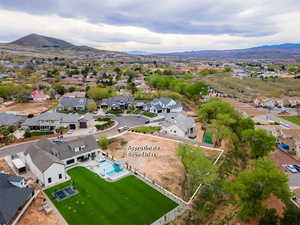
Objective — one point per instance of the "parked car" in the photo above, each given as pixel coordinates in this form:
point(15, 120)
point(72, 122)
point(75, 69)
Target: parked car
point(297, 167)
point(291, 168)
point(121, 129)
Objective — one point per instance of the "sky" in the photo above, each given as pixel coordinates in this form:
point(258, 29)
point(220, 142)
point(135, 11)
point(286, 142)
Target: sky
point(154, 25)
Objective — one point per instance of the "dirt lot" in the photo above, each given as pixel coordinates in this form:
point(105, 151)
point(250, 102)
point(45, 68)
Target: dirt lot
point(29, 108)
point(163, 165)
point(34, 216)
point(5, 167)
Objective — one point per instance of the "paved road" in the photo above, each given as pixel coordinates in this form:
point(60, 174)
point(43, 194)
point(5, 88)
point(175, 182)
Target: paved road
point(128, 120)
point(276, 118)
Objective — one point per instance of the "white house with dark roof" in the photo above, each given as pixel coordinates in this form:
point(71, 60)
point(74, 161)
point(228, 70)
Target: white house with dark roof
point(117, 102)
point(179, 124)
point(48, 160)
point(163, 105)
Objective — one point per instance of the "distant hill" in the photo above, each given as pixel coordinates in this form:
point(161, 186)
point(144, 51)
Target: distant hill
point(280, 46)
point(281, 51)
point(40, 41)
point(138, 53)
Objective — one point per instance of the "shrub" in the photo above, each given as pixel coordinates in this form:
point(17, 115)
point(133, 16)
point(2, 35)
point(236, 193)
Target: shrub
point(103, 142)
point(149, 114)
point(123, 142)
point(106, 125)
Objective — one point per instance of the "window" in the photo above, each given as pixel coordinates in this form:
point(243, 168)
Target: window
point(70, 161)
point(60, 176)
point(49, 180)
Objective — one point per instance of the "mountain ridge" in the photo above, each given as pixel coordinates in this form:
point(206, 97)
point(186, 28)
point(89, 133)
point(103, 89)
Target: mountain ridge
point(279, 51)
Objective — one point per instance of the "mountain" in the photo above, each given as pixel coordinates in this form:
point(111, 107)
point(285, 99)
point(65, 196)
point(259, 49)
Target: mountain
point(40, 41)
point(280, 46)
point(281, 51)
point(139, 53)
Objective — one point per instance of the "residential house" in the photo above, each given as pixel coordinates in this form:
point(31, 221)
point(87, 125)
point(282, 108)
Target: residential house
point(117, 102)
point(179, 124)
point(72, 104)
point(48, 160)
point(163, 105)
point(289, 139)
point(13, 196)
point(50, 121)
point(38, 96)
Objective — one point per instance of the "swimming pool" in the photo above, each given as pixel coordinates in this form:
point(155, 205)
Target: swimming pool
point(109, 169)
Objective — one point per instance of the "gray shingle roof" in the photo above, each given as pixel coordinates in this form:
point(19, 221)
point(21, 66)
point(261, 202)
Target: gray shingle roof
point(115, 100)
point(7, 119)
point(68, 102)
point(180, 120)
point(56, 116)
point(42, 159)
point(162, 100)
point(44, 152)
point(11, 198)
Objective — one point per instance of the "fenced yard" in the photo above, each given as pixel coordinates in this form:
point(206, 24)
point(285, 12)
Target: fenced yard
point(127, 201)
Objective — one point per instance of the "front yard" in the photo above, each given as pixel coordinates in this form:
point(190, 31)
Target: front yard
point(127, 201)
point(293, 119)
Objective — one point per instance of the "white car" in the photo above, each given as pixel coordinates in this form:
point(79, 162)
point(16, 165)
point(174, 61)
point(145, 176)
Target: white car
point(291, 168)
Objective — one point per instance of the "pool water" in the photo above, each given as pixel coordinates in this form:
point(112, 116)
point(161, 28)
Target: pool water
point(109, 168)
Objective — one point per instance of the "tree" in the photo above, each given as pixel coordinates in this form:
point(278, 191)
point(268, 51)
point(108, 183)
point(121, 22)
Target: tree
point(253, 186)
point(259, 141)
point(269, 218)
point(59, 89)
point(227, 69)
point(291, 216)
point(103, 142)
point(221, 128)
point(99, 93)
point(200, 170)
point(91, 106)
point(215, 106)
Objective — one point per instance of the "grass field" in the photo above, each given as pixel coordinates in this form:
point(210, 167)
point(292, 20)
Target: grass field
point(127, 201)
point(293, 119)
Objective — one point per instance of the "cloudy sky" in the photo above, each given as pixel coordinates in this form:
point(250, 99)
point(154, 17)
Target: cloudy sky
point(154, 25)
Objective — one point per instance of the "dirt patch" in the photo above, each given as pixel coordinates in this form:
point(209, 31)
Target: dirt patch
point(29, 108)
point(163, 165)
point(5, 167)
point(158, 161)
point(34, 216)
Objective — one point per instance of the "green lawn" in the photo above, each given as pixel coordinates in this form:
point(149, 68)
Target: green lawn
point(127, 201)
point(293, 119)
point(149, 114)
point(146, 129)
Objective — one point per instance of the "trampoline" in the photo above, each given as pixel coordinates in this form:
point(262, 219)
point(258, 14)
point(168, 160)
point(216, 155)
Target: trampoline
point(64, 193)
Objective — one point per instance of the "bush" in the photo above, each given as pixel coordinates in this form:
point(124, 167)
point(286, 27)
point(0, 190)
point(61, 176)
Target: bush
point(149, 114)
point(106, 125)
point(103, 142)
point(27, 134)
point(123, 142)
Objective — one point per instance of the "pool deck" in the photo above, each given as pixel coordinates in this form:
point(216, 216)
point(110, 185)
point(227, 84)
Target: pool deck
point(92, 165)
